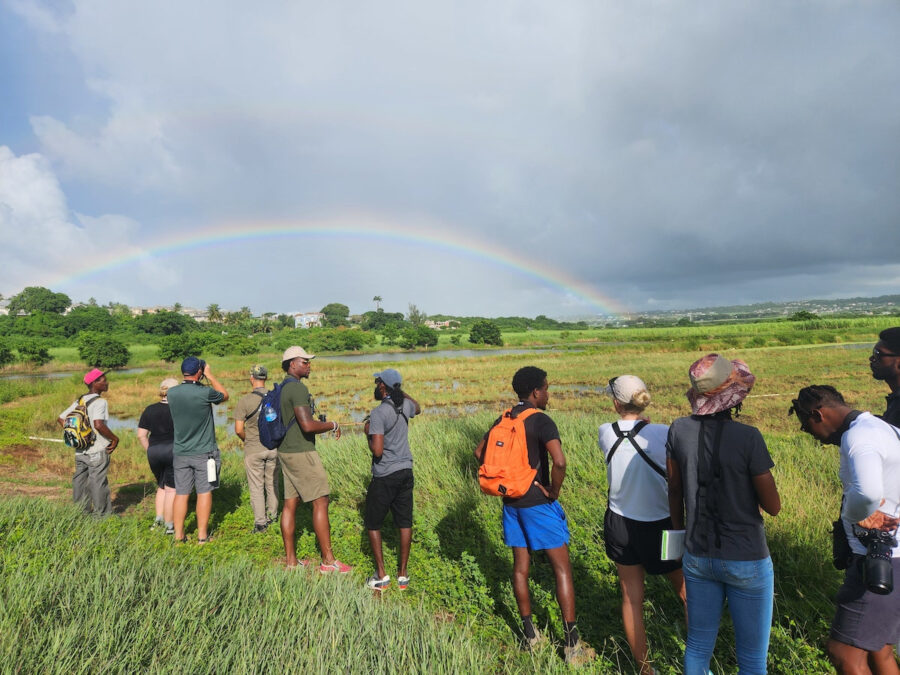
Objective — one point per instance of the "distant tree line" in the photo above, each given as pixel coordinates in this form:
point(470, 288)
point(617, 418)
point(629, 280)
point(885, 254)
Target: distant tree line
point(37, 322)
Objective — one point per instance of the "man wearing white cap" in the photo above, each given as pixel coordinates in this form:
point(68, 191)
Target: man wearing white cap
point(301, 468)
point(90, 484)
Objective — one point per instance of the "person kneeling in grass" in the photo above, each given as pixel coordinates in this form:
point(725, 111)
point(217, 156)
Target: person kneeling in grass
point(392, 475)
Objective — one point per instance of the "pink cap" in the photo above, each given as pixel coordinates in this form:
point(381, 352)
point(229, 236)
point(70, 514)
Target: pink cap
point(93, 375)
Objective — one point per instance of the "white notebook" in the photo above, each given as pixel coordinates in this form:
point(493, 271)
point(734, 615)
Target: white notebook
point(672, 545)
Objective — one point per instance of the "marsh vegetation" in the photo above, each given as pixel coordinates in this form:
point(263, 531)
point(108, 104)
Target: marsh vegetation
point(79, 594)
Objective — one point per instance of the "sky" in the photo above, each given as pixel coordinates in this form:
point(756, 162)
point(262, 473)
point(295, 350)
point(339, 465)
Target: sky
point(472, 158)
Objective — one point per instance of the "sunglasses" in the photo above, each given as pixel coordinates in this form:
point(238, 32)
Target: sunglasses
point(879, 354)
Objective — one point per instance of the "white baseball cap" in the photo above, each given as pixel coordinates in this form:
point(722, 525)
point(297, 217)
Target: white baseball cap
point(624, 387)
point(292, 353)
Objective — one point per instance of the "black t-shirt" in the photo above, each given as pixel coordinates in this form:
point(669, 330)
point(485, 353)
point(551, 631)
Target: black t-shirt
point(157, 419)
point(721, 505)
point(892, 412)
point(539, 430)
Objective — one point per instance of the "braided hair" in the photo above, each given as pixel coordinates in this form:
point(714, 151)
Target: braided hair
point(814, 397)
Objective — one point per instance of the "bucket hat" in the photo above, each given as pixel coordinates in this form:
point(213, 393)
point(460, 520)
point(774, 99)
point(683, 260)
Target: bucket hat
point(718, 384)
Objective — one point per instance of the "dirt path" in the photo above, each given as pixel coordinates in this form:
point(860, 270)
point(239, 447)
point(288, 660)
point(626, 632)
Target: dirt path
point(27, 472)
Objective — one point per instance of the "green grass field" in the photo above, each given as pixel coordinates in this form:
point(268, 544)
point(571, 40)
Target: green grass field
point(85, 595)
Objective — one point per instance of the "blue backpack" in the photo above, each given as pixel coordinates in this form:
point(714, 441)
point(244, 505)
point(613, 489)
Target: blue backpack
point(272, 428)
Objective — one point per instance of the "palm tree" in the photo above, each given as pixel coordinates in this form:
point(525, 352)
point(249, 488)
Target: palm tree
point(377, 300)
point(214, 313)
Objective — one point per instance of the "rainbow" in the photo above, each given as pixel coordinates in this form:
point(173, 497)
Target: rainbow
point(430, 235)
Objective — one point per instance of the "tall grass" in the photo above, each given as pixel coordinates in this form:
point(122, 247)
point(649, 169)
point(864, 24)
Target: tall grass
point(461, 570)
point(80, 595)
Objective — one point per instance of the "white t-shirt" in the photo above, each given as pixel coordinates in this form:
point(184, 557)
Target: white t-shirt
point(870, 472)
point(97, 410)
point(636, 491)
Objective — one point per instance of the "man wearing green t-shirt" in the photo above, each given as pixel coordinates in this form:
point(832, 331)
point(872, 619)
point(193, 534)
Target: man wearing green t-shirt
point(195, 443)
point(301, 469)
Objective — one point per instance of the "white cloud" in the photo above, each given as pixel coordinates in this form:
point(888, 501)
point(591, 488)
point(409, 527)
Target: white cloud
point(44, 243)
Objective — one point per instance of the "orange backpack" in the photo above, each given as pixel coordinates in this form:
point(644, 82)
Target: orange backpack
point(505, 471)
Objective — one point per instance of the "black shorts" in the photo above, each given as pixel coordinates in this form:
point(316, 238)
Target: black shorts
point(393, 493)
point(160, 458)
point(636, 542)
point(863, 619)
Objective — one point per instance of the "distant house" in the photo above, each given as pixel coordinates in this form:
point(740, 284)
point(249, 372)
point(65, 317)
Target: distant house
point(308, 319)
point(437, 325)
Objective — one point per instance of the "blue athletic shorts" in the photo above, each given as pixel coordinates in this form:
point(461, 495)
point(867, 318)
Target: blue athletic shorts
point(538, 527)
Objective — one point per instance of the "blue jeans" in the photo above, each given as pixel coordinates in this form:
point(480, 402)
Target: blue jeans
point(749, 587)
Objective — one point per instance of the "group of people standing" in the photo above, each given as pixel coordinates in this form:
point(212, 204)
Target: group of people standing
point(709, 476)
point(706, 477)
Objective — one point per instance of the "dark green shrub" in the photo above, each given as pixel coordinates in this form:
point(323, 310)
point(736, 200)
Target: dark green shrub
point(232, 344)
point(102, 351)
point(173, 348)
point(485, 333)
point(6, 355)
point(33, 352)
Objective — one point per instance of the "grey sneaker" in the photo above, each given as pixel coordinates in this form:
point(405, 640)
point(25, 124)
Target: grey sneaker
point(580, 654)
point(377, 584)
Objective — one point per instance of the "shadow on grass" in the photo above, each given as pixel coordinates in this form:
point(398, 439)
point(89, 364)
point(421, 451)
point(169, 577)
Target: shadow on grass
point(131, 495)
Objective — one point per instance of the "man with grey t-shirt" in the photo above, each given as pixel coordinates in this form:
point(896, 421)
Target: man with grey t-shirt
point(392, 483)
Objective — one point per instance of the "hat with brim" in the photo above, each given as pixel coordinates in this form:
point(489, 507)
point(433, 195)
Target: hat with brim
point(93, 375)
point(295, 352)
point(390, 377)
point(718, 384)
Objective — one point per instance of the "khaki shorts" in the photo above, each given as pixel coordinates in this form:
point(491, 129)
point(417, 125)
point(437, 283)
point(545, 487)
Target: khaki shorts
point(304, 476)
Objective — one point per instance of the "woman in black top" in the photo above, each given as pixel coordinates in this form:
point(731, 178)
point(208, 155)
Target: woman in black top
point(719, 478)
point(156, 432)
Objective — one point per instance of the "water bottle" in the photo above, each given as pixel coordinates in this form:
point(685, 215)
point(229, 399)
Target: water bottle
point(270, 413)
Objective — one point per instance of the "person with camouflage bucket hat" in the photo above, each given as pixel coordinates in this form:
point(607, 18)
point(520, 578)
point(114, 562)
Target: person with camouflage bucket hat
point(260, 462)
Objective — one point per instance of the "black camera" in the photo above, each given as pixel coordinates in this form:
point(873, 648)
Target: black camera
point(323, 418)
point(878, 573)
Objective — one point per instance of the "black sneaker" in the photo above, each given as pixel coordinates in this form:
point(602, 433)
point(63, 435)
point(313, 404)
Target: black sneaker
point(260, 528)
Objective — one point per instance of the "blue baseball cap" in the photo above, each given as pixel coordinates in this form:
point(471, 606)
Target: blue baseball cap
point(190, 365)
point(390, 377)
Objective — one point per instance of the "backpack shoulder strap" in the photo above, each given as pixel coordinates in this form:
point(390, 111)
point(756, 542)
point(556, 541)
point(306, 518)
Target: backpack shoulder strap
point(257, 408)
point(630, 435)
point(86, 405)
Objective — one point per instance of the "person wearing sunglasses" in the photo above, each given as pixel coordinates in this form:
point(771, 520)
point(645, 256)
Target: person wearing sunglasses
point(866, 622)
point(885, 365)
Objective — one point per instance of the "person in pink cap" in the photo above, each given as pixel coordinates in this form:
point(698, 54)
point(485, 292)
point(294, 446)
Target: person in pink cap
point(90, 485)
point(719, 478)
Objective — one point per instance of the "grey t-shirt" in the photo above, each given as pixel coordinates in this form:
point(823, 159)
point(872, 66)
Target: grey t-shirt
point(721, 505)
point(387, 421)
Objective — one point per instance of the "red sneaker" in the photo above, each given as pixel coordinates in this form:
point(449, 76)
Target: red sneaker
point(336, 566)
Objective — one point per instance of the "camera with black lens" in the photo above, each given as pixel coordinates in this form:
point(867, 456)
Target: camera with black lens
point(878, 574)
